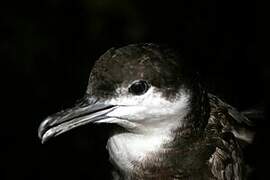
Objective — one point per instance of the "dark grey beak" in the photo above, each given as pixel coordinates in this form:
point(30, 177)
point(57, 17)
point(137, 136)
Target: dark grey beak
point(86, 111)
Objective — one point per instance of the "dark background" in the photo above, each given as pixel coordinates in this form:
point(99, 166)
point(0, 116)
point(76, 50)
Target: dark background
point(49, 46)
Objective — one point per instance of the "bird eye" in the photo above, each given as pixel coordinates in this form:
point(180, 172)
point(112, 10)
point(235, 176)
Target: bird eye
point(138, 87)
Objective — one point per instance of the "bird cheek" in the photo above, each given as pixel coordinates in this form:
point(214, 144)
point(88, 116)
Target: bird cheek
point(128, 112)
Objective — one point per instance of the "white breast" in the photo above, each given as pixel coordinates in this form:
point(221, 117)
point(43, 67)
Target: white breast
point(126, 148)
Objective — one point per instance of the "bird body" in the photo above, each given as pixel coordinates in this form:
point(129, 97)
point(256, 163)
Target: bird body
point(171, 128)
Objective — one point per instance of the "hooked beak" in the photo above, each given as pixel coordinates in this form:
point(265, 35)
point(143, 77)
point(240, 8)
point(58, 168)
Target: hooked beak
point(86, 111)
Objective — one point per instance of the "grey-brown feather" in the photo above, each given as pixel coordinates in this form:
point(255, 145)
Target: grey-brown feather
point(226, 124)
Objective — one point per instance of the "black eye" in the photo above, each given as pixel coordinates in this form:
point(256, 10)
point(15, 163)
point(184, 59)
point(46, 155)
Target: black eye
point(139, 87)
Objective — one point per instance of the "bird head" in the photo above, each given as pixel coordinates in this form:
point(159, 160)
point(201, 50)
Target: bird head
point(142, 88)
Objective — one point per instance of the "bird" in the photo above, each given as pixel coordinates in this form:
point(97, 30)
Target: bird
point(167, 125)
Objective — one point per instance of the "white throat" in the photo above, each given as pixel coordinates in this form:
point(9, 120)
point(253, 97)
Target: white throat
point(127, 148)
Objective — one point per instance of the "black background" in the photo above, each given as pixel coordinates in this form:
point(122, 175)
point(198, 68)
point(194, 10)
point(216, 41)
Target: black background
point(49, 46)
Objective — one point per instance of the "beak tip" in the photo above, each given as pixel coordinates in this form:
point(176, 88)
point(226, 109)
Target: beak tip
point(46, 135)
point(43, 127)
point(43, 141)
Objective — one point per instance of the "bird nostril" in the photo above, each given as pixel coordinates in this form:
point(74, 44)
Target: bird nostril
point(86, 101)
